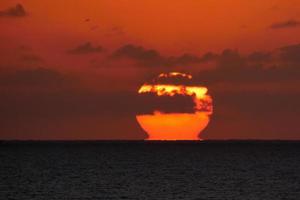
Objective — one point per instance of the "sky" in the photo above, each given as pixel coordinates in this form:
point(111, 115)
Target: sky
point(71, 70)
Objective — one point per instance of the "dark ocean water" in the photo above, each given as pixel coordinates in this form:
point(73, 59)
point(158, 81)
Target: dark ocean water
point(150, 170)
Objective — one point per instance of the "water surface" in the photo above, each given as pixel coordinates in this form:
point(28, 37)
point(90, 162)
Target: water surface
point(150, 170)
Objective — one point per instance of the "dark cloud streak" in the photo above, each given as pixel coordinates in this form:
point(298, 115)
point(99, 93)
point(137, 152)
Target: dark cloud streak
point(286, 24)
point(152, 58)
point(39, 77)
point(85, 49)
point(17, 11)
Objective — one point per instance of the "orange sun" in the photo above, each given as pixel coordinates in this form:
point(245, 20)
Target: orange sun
point(177, 123)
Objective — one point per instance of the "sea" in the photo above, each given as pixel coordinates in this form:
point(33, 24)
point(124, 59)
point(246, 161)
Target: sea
point(106, 170)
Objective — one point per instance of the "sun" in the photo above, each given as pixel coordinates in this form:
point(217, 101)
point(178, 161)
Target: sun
point(179, 110)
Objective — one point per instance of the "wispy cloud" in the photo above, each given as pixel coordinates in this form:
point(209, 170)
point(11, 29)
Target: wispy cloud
point(86, 48)
point(292, 23)
point(16, 11)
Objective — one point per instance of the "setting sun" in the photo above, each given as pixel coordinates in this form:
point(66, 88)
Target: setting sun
point(174, 125)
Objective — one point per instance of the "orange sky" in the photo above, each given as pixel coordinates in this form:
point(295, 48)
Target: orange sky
point(83, 45)
point(170, 26)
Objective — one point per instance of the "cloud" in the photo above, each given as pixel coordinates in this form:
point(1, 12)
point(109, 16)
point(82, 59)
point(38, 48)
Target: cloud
point(279, 66)
point(31, 58)
point(229, 66)
point(290, 53)
point(116, 31)
point(69, 113)
point(39, 77)
point(150, 102)
point(230, 59)
point(44, 101)
point(259, 57)
point(17, 11)
point(248, 75)
point(188, 59)
point(48, 92)
point(254, 115)
point(286, 24)
point(152, 58)
point(147, 57)
point(85, 49)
